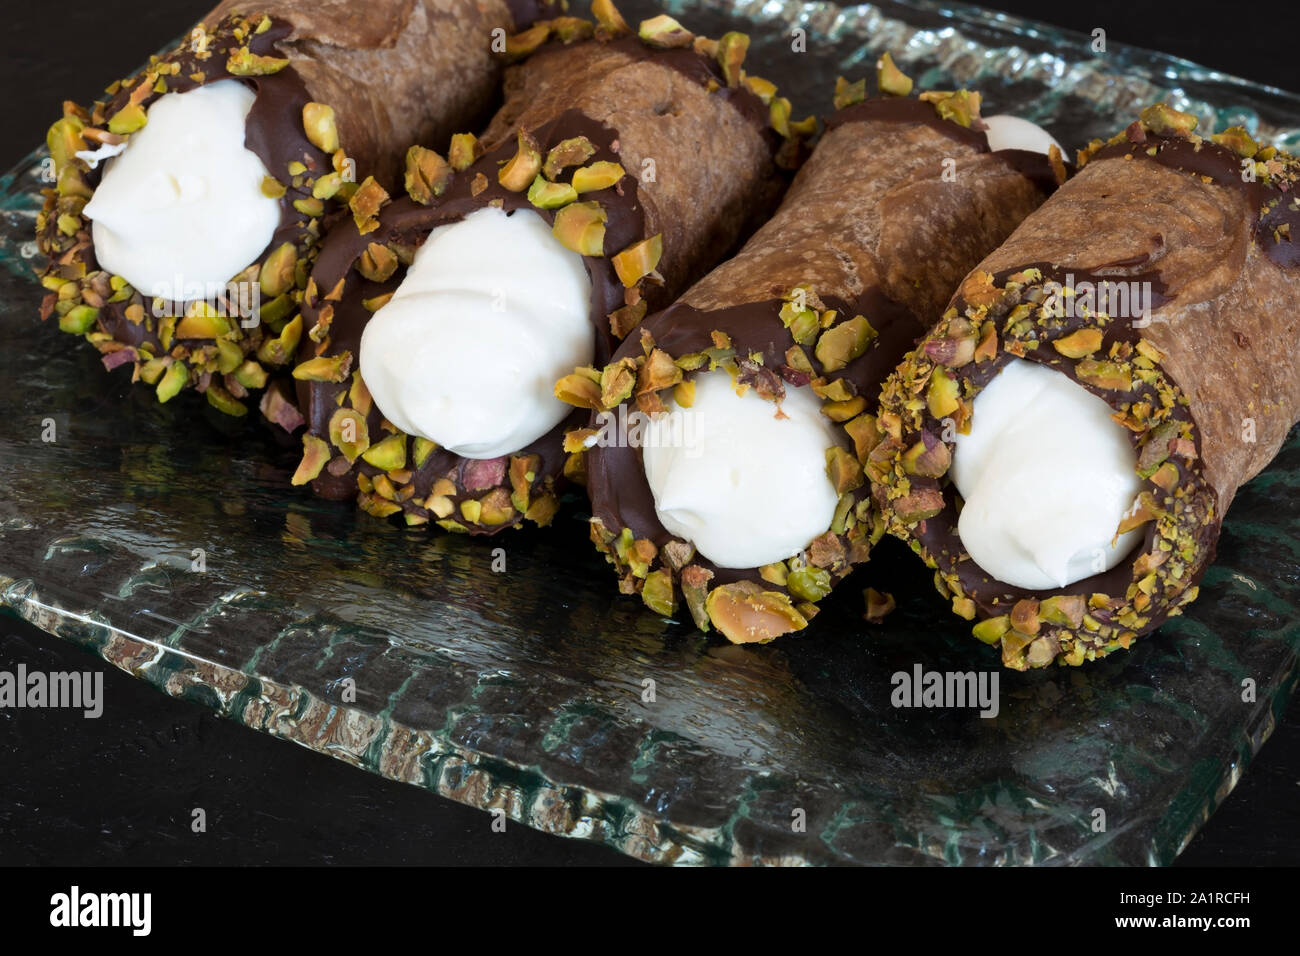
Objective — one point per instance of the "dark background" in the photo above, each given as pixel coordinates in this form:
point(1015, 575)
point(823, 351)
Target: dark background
point(119, 790)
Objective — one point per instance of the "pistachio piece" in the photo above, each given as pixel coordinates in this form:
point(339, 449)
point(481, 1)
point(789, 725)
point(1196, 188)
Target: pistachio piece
point(1079, 344)
point(389, 454)
point(349, 433)
point(624, 320)
point(778, 112)
point(929, 457)
point(320, 126)
point(580, 226)
point(1108, 375)
point(841, 344)
point(991, 630)
point(64, 141)
point(571, 29)
point(695, 590)
point(203, 322)
point(843, 469)
point(79, 319)
point(599, 175)
point(315, 456)
point(229, 357)
point(617, 381)
point(522, 44)
point(658, 593)
point(639, 260)
point(878, 603)
point(566, 153)
point(746, 614)
point(250, 375)
point(543, 510)
point(312, 208)
point(421, 449)
point(243, 62)
point(1166, 477)
point(954, 350)
point(579, 390)
point(1238, 140)
point(763, 89)
point(522, 168)
point(849, 94)
point(664, 31)
point(377, 263)
point(1164, 119)
point(1145, 510)
point(809, 583)
point(495, 508)
point(281, 350)
point(427, 174)
point(608, 17)
point(1024, 616)
point(1013, 650)
point(333, 368)
point(732, 48)
point(463, 151)
point(864, 433)
point(962, 107)
point(277, 273)
point(918, 505)
point(1062, 610)
point(127, 120)
point(890, 80)
point(365, 204)
point(548, 195)
point(942, 393)
point(523, 472)
point(174, 379)
point(224, 402)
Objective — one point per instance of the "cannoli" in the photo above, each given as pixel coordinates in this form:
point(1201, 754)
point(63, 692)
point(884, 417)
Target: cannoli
point(437, 324)
point(1063, 445)
point(723, 452)
point(189, 201)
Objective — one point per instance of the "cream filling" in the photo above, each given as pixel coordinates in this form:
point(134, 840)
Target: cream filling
point(181, 204)
point(1046, 475)
point(492, 312)
point(745, 486)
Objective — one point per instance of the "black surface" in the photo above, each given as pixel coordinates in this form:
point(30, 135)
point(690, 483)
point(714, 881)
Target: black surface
point(120, 789)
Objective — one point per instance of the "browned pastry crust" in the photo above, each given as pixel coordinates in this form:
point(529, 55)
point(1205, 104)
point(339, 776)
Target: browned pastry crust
point(340, 88)
point(668, 124)
point(397, 72)
point(829, 294)
point(1208, 383)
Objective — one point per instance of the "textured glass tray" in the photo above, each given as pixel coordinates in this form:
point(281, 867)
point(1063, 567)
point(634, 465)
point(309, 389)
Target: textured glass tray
point(523, 689)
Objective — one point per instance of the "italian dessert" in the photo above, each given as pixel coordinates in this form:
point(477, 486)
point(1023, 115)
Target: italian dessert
point(436, 325)
point(189, 202)
point(725, 447)
point(1064, 444)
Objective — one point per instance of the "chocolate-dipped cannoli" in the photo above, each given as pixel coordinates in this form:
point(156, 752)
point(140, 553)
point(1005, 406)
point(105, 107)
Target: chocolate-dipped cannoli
point(1063, 445)
point(189, 201)
point(724, 452)
point(438, 324)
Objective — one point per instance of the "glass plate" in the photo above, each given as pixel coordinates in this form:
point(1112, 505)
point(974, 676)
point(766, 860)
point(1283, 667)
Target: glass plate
point(525, 686)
